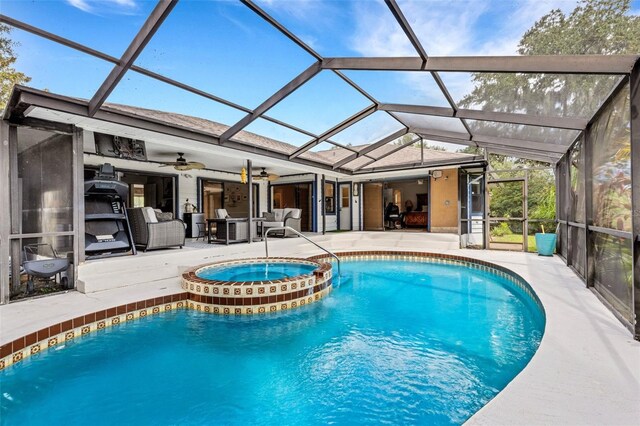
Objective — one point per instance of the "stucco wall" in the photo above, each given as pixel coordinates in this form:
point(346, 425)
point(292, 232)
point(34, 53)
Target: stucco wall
point(444, 202)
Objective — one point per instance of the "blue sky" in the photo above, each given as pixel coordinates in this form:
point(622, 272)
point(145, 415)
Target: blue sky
point(224, 48)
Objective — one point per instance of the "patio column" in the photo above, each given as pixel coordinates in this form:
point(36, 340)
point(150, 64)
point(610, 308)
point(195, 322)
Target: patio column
point(588, 202)
point(324, 207)
point(250, 198)
point(4, 212)
point(634, 84)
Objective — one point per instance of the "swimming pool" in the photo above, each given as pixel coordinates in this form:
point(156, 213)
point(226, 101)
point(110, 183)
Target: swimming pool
point(397, 341)
point(259, 271)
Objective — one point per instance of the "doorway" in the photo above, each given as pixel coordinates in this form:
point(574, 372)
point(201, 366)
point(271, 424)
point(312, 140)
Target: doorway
point(344, 207)
point(297, 196)
point(507, 214)
point(232, 196)
point(373, 216)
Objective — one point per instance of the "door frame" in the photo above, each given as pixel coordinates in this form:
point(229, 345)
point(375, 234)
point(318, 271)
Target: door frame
point(364, 200)
point(349, 184)
point(525, 214)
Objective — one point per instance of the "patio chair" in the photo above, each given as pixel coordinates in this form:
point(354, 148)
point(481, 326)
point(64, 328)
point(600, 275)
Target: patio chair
point(282, 217)
point(149, 233)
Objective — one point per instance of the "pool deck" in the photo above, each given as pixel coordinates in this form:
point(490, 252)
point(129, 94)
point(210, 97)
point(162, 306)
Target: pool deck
point(586, 371)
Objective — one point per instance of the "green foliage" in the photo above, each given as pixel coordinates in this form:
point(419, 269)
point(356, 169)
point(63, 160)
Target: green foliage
point(594, 27)
point(409, 137)
point(506, 199)
point(542, 198)
point(501, 230)
point(434, 147)
point(475, 150)
point(8, 75)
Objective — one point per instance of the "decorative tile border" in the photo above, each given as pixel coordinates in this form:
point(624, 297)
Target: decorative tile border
point(263, 306)
point(255, 297)
point(31, 344)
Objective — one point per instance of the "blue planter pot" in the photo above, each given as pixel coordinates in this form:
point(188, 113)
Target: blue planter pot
point(546, 244)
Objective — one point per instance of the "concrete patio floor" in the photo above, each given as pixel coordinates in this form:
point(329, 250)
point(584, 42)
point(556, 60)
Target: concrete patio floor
point(586, 371)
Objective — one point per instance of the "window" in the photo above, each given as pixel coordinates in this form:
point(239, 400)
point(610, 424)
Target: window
point(330, 198)
point(138, 195)
point(344, 194)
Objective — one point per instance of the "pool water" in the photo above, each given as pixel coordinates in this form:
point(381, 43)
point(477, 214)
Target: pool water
point(395, 342)
point(262, 271)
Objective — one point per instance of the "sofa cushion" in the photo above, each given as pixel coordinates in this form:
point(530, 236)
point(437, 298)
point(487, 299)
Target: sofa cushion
point(149, 215)
point(269, 216)
point(278, 214)
point(222, 214)
point(163, 216)
point(272, 224)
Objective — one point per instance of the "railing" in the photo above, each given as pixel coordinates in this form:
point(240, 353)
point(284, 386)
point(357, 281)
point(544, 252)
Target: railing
point(288, 228)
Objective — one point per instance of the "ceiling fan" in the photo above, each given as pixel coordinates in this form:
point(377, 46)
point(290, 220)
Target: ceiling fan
point(265, 176)
point(183, 165)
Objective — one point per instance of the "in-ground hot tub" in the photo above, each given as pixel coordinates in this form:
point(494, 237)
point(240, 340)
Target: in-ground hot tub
point(255, 286)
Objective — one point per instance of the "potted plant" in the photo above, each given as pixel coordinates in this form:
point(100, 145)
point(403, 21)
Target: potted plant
point(545, 243)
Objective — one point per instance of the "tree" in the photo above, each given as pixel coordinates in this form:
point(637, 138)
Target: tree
point(599, 27)
point(9, 76)
point(594, 27)
point(475, 150)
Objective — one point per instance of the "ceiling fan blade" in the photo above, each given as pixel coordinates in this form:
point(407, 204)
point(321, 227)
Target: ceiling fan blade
point(195, 165)
point(271, 178)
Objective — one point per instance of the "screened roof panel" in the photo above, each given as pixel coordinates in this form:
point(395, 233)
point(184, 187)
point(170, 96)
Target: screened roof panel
point(412, 155)
point(275, 131)
point(428, 122)
point(430, 145)
point(225, 49)
point(555, 95)
point(140, 91)
point(342, 28)
point(384, 149)
point(358, 163)
point(368, 130)
point(523, 132)
point(320, 104)
point(400, 87)
point(326, 153)
point(105, 26)
point(57, 68)
point(460, 28)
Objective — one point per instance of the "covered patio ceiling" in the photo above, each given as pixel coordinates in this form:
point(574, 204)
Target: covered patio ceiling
point(383, 118)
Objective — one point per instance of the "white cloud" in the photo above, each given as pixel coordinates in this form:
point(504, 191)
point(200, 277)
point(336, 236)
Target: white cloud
point(449, 28)
point(376, 32)
point(104, 6)
point(80, 4)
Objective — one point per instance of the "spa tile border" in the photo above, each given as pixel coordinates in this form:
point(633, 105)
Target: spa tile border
point(439, 258)
point(256, 297)
point(202, 304)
